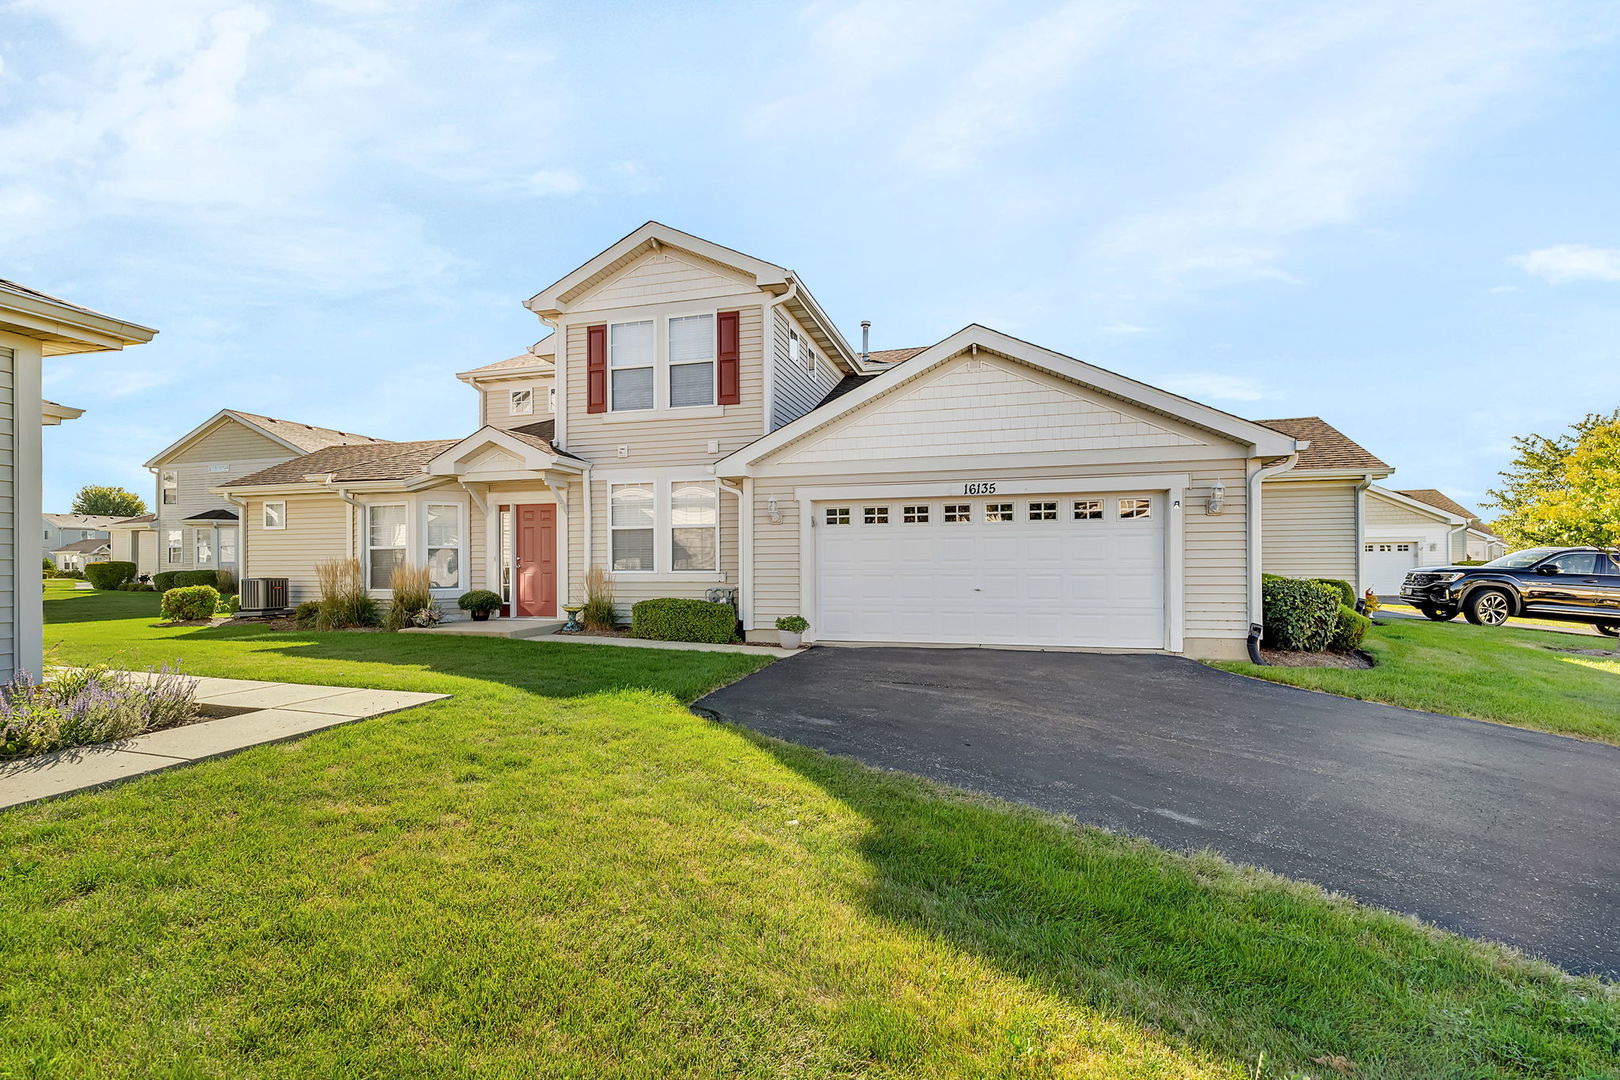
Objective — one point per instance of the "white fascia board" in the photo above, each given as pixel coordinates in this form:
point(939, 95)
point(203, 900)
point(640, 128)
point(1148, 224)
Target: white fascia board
point(203, 429)
point(68, 329)
point(1262, 441)
point(1414, 504)
point(533, 458)
point(813, 308)
point(547, 302)
point(1356, 475)
point(53, 413)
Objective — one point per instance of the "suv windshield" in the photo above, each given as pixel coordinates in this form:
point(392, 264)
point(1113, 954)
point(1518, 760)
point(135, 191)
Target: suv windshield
point(1521, 559)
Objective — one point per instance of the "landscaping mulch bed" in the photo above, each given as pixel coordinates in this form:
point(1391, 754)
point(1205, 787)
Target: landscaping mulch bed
point(1349, 660)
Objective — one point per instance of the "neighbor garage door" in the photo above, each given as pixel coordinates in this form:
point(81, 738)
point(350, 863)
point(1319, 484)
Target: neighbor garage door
point(1083, 570)
point(1387, 562)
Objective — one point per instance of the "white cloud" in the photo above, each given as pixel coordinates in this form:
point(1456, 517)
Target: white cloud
point(1564, 263)
point(1217, 386)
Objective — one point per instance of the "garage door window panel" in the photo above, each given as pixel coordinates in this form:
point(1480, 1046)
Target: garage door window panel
point(1088, 509)
point(1043, 511)
point(1001, 512)
point(914, 515)
point(875, 515)
point(958, 513)
point(1134, 509)
point(838, 515)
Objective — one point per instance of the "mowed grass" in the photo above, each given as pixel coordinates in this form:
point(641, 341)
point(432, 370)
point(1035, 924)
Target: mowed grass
point(1526, 678)
point(561, 872)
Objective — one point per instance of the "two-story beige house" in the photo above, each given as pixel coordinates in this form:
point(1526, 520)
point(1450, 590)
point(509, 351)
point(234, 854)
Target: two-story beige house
point(696, 422)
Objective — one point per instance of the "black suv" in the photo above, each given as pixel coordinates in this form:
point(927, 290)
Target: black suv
point(1577, 584)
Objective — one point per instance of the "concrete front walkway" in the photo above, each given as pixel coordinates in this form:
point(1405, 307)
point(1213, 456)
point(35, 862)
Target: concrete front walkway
point(271, 712)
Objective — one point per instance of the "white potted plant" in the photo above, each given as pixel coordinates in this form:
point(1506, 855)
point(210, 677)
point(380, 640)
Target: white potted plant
point(790, 630)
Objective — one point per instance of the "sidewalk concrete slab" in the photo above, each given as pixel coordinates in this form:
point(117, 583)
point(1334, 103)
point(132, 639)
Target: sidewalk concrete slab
point(770, 651)
point(277, 711)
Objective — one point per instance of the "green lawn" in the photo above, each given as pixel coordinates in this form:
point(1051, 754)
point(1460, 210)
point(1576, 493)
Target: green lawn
point(562, 872)
point(1505, 675)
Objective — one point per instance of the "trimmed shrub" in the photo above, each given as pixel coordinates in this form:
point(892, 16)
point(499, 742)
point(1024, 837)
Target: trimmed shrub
point(1350, 630)
point(136, 586)
point(50, 564)
point(1347, 593)
point(307, 616)
point(1300, 616)
point(109, 575)
point(164, 581)
point(186, 578)
point(190, 602)
point(599, 612)
point(675, 619)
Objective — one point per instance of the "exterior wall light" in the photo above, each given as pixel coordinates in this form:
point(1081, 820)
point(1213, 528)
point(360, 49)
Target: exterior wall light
point(1217, 498)
point(772, 511)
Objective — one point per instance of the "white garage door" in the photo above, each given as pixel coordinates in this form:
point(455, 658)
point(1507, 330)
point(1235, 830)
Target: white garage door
point(1029, 570)
point(1386, 563)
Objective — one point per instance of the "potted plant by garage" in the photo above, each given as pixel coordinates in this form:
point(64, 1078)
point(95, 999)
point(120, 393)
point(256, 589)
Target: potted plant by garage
point(790, 629)
point(479, 602)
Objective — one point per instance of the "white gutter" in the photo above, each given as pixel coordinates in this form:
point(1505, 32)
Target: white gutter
point(1361, 529)
point(769, 337)
point(1256, 478)
point(745, 550)
point(343, 493)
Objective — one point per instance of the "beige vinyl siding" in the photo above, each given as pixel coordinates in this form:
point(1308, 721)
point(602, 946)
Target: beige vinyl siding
point(1215, 565)
point(498, 401)
point(665, 437)
point(10, 652)
point(631, 587)
point(1388, 520)
point(796, 391)
point(232, 440)
point(1308, 529)
point(658, 277)
point(228, 451)
point(317, 530)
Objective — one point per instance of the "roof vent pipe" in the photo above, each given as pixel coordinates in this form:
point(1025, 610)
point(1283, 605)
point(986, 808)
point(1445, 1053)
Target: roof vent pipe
point(866, 341)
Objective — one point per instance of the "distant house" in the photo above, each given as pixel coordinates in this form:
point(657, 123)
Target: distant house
point(77, 555)
point(63, 529)
point(1481, 543)
point(34, 327)
point(134, 540)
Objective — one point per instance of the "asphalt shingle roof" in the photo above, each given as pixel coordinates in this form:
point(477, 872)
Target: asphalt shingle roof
point(365, 461)
point(307, 437)
point(1330, 448)
point(84, 545)
point(1441, 501)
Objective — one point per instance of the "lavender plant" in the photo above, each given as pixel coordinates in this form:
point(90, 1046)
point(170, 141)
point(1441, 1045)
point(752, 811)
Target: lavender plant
point(85, 706)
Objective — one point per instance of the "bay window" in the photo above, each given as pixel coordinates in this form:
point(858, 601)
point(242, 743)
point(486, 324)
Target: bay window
point(631, 521)
point(385, 542)
point(443, 536)
point(694, 520)
point(691, 360)
point(227, 545)
point(631, 359)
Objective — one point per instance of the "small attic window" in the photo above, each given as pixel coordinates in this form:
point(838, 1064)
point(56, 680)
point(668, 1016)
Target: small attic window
point(551, 399)
point(522, 402)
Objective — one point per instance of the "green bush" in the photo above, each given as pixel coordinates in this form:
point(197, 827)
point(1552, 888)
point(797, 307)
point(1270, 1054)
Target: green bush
point(186, 578)
point(479, 600)
point(229, 604)
point(1347, 593)
point(137, 586)
point(1300, 616)
point(165, 581)
point(307, 616)
point(190, 602)
point(50, 564)
point(793, 624)
point(1350, 630)
point(675, 619)
point(109, 575)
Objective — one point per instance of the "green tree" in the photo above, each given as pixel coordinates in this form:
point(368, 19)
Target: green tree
point(1563, 490)
point(108, 501)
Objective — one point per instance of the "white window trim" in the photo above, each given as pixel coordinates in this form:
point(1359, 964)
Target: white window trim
point(168, 481)
point(174, 551)
point(463, 522)
point(661, 482)
point(660, 318)
point(705, 482)
point(199, 537)
point(264, 515)
point(219, 545)
point(367, 547)
point(512, 399)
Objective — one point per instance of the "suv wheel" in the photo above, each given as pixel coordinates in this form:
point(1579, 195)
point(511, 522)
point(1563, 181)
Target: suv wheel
point(1438, 614)
point(1488, 607)
point(1610, 628)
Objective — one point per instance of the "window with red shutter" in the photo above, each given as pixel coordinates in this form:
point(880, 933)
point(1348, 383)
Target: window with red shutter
point(596, 368)
point(728, 357)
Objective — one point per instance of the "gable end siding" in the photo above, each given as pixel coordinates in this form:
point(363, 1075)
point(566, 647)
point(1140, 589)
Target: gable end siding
point(796, 391)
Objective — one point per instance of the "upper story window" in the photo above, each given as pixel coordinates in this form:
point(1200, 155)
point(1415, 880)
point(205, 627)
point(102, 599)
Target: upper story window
point(171, 487)
point(691, 360)
point(521, 402)
point(551, 399)
point(631, 360)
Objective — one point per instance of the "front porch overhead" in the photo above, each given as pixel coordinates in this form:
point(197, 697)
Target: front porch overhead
point(494, 455)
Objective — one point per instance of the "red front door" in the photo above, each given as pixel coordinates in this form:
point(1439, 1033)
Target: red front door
point(537, 560)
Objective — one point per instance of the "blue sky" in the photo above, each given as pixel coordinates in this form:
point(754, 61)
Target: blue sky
point(1402, 217)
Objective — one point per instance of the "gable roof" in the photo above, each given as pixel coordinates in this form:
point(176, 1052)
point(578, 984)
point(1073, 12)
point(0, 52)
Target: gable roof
point(297, 437)
point(893, 356)
point(133, 522)
point(359, 462)
point(521, 441)
point(81, 521)
point(847, 397)
point(1403, 500)
point(1440, 499)
point(541, 358)
point(1330, 448)
point(85, 546)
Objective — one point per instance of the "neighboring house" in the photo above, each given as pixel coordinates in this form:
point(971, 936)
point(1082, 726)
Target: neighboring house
point(1404, 531)
point(135, 540)
point(63, 529)
point(1314, 514)
point(77, 554)
point(194, 528)
point(34, 326)
point(697, 423)
point(1481, 543)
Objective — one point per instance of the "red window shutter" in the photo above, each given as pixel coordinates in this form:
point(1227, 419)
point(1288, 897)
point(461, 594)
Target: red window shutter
point(728, 353)
point(596, 368)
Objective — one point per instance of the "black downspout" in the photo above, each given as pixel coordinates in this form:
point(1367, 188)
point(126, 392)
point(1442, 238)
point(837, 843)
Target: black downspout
point(1255, 630)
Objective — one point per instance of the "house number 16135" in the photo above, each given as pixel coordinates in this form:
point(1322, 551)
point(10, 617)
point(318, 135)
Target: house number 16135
point(982, 487)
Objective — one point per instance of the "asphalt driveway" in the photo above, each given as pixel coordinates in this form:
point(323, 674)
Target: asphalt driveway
point(1487, 830)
